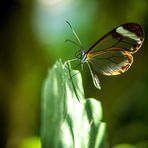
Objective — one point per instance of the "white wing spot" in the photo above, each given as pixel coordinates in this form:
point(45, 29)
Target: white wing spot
point(124, 32)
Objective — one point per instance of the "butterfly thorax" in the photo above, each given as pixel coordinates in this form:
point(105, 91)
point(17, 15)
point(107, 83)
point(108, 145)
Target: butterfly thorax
point(82, 55)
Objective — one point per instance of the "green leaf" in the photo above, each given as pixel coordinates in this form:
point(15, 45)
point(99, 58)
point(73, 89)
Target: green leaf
point(68, 119)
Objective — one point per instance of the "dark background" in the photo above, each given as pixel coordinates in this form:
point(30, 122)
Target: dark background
point(32, 35)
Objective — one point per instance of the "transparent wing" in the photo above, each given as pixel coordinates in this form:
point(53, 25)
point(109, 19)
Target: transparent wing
point(112, 61)
point(128, 36)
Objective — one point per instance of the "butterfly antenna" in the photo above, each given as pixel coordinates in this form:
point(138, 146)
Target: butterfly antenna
point(71, 41)
point(74, 33)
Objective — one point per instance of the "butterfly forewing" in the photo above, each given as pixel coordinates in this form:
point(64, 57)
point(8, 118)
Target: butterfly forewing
point(112, 61)
point(128, 36)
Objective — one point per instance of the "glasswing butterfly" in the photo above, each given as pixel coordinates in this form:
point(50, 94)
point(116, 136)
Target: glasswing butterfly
point(112, 53)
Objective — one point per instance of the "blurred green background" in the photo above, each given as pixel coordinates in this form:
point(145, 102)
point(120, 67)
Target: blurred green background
point(32, 35)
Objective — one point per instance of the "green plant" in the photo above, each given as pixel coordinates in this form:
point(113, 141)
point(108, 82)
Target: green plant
point(68, 119)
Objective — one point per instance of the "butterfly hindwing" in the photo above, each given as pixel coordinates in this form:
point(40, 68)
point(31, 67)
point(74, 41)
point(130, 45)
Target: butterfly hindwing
point(112, 61)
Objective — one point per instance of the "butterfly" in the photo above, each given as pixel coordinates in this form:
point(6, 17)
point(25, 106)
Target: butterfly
point(113, 53)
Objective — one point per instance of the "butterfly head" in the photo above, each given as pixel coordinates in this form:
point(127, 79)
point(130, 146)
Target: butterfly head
point(81, 55)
